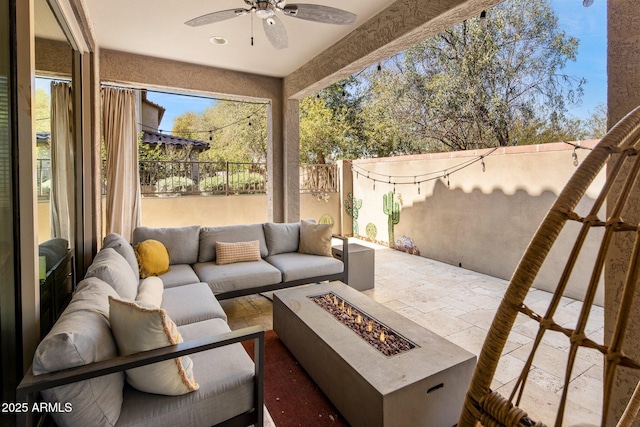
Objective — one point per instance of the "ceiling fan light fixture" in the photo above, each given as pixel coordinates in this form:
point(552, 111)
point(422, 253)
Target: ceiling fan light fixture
point(218, 40)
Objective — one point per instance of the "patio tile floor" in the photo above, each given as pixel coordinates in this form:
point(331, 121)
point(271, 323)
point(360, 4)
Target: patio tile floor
point(459, 305)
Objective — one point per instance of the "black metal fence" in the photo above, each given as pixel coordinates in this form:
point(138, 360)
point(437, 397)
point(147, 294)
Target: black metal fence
point(161, 178)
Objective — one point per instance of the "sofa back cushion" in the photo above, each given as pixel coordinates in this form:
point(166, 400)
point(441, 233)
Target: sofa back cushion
point(182, 242)
point(230, 234)
point(81, 336)
point(281, 238)
point(109, 266)
point(123, 247)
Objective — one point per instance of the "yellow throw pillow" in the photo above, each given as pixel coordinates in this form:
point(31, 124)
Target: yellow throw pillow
point(229, 253)
point(138, 327)
point(315, 239)
point(153, 258)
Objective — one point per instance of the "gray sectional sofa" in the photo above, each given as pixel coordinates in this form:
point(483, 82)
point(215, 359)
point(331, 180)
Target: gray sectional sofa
point(77, 368)
point(193, 258)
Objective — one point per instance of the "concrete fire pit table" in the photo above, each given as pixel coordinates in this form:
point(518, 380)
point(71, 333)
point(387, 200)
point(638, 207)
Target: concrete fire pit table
point(423, 386)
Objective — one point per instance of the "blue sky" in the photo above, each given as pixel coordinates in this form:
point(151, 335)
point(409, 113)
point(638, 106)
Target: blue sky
point(589, 25)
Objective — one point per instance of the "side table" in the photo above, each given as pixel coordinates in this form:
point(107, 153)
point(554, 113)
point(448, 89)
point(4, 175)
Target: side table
point(360, 275)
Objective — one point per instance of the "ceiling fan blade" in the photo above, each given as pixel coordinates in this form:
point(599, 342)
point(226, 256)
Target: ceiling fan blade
point(214, 17)
point(319, 13)
point(276, 33)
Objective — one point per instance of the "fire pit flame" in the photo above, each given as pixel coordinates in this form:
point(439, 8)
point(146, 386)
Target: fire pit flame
point(376, 334)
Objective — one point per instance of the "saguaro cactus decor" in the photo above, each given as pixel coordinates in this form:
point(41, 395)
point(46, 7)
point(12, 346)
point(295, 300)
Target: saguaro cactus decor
point(392, 210)
point(353, 205)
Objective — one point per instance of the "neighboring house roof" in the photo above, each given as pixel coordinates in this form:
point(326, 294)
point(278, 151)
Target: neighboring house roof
point(156, 138)
point(43, 138)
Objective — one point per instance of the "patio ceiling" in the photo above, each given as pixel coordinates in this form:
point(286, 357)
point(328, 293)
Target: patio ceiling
point(318, 54)
point(156, 28)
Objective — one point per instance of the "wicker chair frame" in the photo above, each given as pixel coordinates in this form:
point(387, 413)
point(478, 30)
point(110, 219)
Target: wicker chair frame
point(618, 149)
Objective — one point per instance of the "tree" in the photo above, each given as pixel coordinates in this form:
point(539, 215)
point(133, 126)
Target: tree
point(236, 131)
point(329, 124)
point(480, 84)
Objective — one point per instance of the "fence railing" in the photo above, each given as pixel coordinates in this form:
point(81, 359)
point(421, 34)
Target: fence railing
point(177, 178)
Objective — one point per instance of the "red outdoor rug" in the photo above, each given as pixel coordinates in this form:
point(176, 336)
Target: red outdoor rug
point(290, 395)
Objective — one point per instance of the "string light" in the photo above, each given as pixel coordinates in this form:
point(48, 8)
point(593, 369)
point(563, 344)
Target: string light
point(574, 156)
point(416, 180)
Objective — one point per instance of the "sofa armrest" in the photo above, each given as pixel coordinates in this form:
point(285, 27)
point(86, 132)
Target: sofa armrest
point(32, 384)
point(345, 255)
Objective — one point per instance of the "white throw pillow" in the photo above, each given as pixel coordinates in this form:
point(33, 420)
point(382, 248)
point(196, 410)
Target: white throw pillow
point(139, 327)
point(150, 291)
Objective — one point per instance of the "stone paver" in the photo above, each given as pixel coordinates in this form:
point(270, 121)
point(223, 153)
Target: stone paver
point(460, 304)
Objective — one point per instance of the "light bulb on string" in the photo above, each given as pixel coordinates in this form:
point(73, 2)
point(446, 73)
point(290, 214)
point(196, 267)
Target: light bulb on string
point(483, 165)
point(574, 156)
point(210, 135)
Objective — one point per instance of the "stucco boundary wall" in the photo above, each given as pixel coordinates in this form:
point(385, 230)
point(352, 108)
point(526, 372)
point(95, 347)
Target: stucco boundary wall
point(477, 218)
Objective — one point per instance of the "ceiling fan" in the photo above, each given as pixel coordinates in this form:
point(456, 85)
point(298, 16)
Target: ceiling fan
point(273, 27)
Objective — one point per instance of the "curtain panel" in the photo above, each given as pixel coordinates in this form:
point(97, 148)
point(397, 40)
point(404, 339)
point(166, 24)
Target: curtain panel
point(62, 209)
point(120, 133)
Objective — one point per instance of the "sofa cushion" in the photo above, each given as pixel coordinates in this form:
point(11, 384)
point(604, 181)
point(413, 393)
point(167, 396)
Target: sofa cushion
point(139, 327)
point(150, 291)
point(192, 303)
point(315, 239)
point(79, 337)
point(226, 378)
point(180, 274)
point(123, 247)
point(182, 242)
point(229, 253)
point(231, 233)
point(53, 250)
point(109, 266)
point(296, 266)
point(281, 238)
point(229, 277)
point(153, 258)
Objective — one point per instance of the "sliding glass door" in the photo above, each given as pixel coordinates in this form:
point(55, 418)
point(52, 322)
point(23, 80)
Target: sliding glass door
point(9, 326)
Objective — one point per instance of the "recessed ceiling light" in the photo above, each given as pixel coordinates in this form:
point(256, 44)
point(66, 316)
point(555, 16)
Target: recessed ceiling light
point(218, 40)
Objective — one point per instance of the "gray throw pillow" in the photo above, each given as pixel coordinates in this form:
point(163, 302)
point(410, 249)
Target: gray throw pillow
point(111, 267)
point(282, 238)
point(181, 242)
point(123, 247)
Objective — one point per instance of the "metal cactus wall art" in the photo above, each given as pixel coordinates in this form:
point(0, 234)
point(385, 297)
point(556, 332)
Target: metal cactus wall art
point(353, 205)
point(392, 210)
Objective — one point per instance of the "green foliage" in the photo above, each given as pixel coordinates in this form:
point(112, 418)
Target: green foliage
point(479, 85)
point(326, 219)
point(174, 184)
point(353, 205)
point(42, 110)
point(238, 131)
point(372, 231)
point(239, 182)
point(392, 210)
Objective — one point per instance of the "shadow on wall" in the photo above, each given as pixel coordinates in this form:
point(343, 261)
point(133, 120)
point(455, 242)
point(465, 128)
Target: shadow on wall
point(489, 233)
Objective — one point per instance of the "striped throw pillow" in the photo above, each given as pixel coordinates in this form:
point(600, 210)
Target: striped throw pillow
point(229, 253)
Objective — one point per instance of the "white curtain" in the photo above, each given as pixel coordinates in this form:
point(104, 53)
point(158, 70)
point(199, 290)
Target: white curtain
point(62, 162)
point(120, 132)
